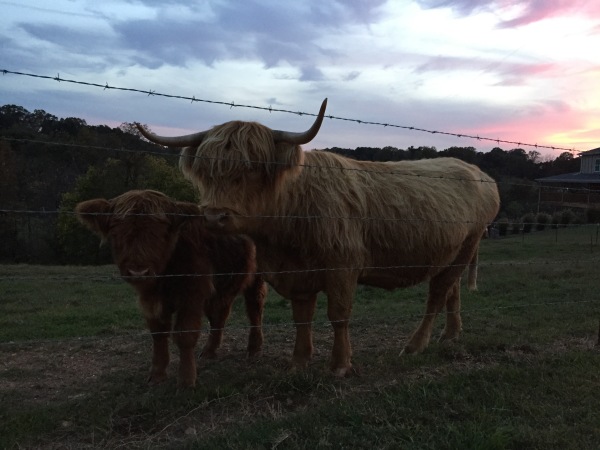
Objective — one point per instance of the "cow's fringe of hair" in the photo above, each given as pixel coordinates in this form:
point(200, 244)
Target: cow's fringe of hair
point(233, 148)
point(152, 203)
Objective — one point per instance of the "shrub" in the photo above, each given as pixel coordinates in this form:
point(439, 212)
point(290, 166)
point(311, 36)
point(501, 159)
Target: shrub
point(502, 226)
point(528, 222)
point(566, 217)
point(542, 219)
point(516, 227)
point(592, 215)
point(556, 217)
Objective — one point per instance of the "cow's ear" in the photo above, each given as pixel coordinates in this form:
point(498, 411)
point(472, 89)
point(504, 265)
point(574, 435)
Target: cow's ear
point(95, 214)
point(289, 158)
point(184, 212)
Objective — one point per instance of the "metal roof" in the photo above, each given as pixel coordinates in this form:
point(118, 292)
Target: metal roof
point(576, 177)
point(595, 151)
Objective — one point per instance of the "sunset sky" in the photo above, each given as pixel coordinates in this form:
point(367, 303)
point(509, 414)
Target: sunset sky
point(523, 71)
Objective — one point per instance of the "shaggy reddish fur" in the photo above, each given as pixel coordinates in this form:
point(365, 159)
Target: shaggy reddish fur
point(165, 253)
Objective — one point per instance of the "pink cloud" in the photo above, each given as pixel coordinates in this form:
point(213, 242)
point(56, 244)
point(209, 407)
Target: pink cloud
point(536, 10)
point(533, 10)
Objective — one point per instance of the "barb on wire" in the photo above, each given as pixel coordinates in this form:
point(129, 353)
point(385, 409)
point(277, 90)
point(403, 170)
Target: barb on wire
point(270, 109)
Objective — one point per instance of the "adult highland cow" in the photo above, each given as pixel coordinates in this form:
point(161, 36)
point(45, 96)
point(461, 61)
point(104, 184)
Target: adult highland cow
point(179, 269)
point(322, 222)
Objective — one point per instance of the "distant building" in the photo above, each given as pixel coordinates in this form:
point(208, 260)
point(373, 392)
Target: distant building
point(575, 190)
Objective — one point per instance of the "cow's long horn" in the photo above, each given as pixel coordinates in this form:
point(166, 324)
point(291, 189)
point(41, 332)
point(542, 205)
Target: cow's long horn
point(188, 140)
point(305, 137)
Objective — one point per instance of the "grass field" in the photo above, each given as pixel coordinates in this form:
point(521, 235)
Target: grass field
point(525, 373)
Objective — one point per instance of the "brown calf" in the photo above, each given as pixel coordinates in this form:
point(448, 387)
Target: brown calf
point(180, 271)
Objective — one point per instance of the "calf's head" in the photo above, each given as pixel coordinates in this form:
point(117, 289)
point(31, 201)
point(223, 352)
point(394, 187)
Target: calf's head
point(142, 229)
point(240, 169)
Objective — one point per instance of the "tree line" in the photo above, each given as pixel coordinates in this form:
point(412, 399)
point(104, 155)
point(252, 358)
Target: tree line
point(49, 164)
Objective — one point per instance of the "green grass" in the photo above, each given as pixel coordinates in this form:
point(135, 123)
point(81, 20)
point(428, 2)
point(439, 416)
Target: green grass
point(524, 373)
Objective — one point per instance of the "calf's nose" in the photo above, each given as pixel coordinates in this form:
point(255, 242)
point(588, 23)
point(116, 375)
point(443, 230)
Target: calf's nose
point(216, 218)
point(138, 272)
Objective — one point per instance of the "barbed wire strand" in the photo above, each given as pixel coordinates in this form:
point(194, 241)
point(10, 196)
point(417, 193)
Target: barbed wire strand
point(289, 217)
point(115, 277)
point(270, 109)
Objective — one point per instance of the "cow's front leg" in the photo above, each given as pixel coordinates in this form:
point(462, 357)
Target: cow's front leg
point(303, 311)
point(338, 310)
point(254, 297)
point(185, 335)
point(160, 329)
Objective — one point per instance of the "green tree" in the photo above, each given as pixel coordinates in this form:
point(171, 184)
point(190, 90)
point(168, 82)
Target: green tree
point(75, 244)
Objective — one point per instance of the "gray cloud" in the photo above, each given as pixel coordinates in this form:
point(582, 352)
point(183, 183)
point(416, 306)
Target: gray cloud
point(311, 73)
point(351, 76)
point(510, 74)
point(271, 31)
point(461, 7)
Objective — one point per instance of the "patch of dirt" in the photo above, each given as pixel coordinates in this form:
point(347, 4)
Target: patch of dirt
point(51, 370)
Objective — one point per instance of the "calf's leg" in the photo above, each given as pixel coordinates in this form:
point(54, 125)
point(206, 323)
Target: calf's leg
point(160, 330)
point(217, 311)
point(185, 335)
point(254, 297)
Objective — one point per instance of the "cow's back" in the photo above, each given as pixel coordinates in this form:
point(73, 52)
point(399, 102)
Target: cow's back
point(411, 214)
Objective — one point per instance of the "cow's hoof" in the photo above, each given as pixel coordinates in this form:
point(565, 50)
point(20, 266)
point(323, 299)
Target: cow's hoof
point(343, 372)
point(300, 363)
point(254, 354)
point(416, 344)
point(409, 350)
point(449, 337)
point(208, 354)
point(185, 385)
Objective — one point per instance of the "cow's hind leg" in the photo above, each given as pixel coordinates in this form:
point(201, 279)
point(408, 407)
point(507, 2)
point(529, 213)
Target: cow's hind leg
point(303, 311)
point(185, 335)
point(453, 320)
point(160, 330)
point(444, 291)
point(254, 297)
point(439, 287)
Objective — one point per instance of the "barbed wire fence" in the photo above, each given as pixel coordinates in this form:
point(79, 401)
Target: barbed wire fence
point(593, 243)
point(232, 104)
